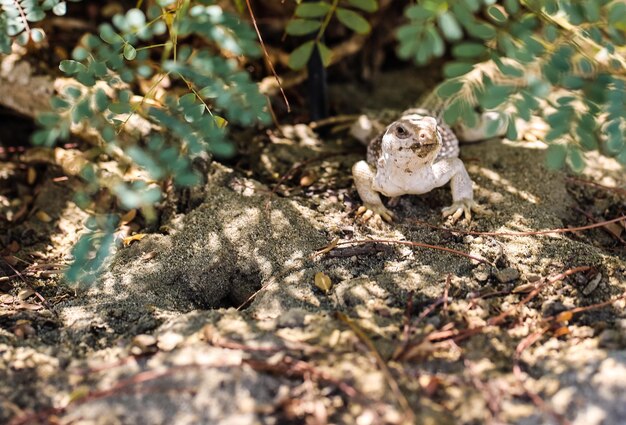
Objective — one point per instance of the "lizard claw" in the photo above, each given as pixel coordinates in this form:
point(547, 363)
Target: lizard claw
point(368, 211)
point(461, 207)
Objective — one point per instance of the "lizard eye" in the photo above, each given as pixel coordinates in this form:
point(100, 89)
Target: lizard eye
point(401, 131)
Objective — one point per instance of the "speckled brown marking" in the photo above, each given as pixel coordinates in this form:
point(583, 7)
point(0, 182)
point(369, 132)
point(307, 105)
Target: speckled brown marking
point(374, 149)
point(422, 150)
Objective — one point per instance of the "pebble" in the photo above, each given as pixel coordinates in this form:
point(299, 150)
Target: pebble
point(593, 284)
point(481, 275)
point(533, 278)
point(507, 275)
point(609, 338)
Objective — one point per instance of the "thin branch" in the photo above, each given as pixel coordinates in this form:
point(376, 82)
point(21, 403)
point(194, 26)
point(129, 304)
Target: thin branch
point(267, 55)
point(529, 233)
point(413, 244)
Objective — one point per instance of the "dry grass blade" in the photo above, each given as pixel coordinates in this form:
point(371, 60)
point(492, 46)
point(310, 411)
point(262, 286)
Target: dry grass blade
point(413, 244)
point(267, 55)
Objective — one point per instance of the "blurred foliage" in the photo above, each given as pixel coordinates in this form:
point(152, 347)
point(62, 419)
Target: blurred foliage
point(18, 16)
point(561, 60)
point(119, 75)
point(311, 19)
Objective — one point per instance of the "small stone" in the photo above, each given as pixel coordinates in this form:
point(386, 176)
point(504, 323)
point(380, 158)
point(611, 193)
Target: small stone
point(507, 275)
point(169, 340)
point(533, 278)
point(593, 284)
point(143, 344)
point(481, 274)
point(25, 293)
point(609, 338)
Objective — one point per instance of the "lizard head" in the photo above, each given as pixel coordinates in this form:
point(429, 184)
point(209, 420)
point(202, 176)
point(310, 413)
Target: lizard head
point(414, 138)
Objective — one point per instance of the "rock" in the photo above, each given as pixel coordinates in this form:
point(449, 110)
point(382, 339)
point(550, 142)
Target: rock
point(481, 274)
point(507, 275)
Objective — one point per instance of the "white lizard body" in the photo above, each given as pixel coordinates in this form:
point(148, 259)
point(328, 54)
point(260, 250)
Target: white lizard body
point(414, 155)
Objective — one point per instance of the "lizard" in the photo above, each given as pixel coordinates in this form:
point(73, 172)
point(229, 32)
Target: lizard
point(413, 155)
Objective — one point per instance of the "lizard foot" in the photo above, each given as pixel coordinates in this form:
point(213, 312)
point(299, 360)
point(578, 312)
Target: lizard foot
point(464, 206)
point(368, 211)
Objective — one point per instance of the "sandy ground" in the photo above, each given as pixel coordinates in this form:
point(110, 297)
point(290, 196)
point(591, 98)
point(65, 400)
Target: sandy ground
point(217, 318)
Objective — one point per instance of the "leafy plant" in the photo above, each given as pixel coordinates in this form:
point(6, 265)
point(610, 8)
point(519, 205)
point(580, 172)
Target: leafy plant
point(18, 16)
point(312, 19)
point(183, 101)
point(562, 60)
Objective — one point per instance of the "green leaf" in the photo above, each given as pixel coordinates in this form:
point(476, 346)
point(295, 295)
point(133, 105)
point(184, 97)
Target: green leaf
point(135, 18)
point(108, 134)
point(456, 69)
point(80, 53)
point(86, 78)
point(550, 32)
point(448, 88)
point(592, 10)
point(450, 26)
point(48, 119)
point(101, 100)
point(58, 103)
point(130, 52)
point(60, 9)
point(586, 137)
point(508, 69)
point(353, 20)
point(71, 67)
point(511, 6)
point(575, 159)
point(511, 130)
point(468, 50)
point(312, 9)
point(435, 41)
point(453, 112)
point(418, 13)
point(325, 53)
point(299, 57)
point(494, 95)
point(497, 14)
point(480, 30)
point(473, 5)
point(533, 45)
point(35, 15)
point(617, 11)
point(424, 52)
point(302, 26)
point(108, 34)
point(37, 35)
point(615, 138)
point(555, 156)
point(365, 5)
point(572, 82)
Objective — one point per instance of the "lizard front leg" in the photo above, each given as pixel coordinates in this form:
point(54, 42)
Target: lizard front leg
point(453, 170)
point(363, 174)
